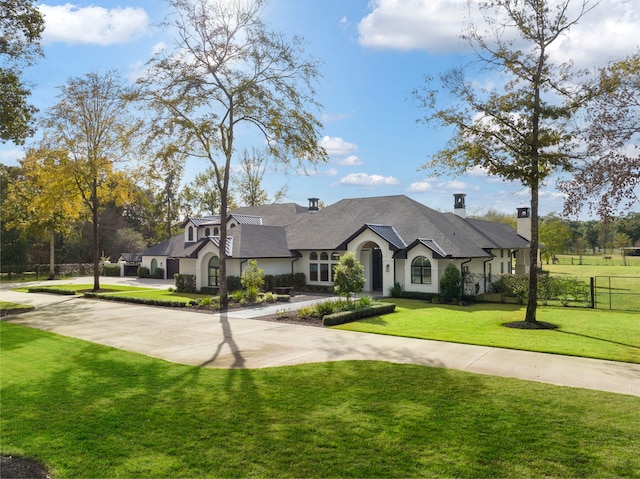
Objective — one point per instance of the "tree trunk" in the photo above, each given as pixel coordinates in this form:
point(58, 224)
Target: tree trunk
point(532, 302)
point(96, 245)
point(52, 258)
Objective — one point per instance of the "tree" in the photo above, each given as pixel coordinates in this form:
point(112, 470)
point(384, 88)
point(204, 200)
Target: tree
point(554, 236)
point(92, 124)
point(521, 129)
point(497, 217)
point(622, 241)
point(21, 25)
point(201, 196)
point(451, 283)
point(609, 178)
point(348, 277)
point(43, 198)
point(230, 70)
point(13, 246)
point(249, 181)
point(252, 280)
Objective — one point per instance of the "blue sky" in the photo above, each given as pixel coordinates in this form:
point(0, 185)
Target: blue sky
point(372, 54)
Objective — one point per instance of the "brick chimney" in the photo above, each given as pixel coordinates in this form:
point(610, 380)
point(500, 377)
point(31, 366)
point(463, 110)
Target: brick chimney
point(524, 223)
point(458, 205)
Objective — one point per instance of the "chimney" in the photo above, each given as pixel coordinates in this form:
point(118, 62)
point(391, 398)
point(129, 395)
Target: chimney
point(524, 223)
point(313, 205)
point(458, 205)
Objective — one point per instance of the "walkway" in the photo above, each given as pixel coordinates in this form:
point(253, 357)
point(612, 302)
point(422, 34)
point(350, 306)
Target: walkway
point(234, 340)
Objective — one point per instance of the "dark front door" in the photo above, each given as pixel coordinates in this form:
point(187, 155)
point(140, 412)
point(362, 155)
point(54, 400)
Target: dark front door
point(376, 268)
point(173, 267)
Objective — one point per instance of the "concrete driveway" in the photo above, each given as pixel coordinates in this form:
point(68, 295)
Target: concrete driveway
point(234, 340)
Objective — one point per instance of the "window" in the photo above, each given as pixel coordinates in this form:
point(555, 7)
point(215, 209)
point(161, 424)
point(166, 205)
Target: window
point(324, 271)
point(313, 272)
point(207, 232)
point(214, 271)
point(154, 266)
point(313, 256)
point(216, 231)
point(489, 271)
point(190, 233)
point(324, 256)
point(421, 270)
point(335, 257)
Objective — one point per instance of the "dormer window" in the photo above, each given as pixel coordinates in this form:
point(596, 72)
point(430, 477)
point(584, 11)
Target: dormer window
point(190, 233)
point(216, 231)
point(207, 232)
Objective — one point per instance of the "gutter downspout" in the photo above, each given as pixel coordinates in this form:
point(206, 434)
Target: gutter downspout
point(462, 273)
point(484, 271)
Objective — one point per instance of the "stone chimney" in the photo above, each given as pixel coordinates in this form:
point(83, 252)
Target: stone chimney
point(313, 205)
point(524, 223)
point(458, 205)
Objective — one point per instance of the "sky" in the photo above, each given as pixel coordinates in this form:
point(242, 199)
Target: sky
point(372, 54)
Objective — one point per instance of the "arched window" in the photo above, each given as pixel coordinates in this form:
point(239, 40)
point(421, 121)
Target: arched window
point(154, 266)
point(214, 271)
point(335, 256)
point(421, 270)
point(207, 232)
point(190, 233)
point(216, 231)
point(324, 256)
point(313, 256)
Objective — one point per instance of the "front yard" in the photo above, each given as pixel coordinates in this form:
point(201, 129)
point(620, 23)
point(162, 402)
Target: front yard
point(87, 410)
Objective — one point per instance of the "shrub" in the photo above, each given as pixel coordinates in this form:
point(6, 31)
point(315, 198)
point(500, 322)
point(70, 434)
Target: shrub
point(143, 272)
point(307, 312)
point(251, 293)
point(234, 283)
point(252, 277)
point(185, 283)
point(158, 273)
point(299, 280)
point(348, 277)
point(451, 283)
point(396, 290)
point(237, 295)
point(348, 316)
point(326, 307)
point(111, 270)
point(269, 298)
point(213, 290)
point(364, 302)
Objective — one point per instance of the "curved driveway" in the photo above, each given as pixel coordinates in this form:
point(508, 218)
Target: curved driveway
point(234, 340)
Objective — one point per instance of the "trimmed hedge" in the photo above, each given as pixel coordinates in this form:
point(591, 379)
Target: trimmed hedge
point(44, 289)
point(149, 302)
point(111, 270)
point(349, 316)
point(185, 283)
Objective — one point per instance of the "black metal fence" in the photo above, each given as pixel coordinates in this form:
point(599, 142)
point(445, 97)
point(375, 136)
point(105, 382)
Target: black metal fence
point(617, 293)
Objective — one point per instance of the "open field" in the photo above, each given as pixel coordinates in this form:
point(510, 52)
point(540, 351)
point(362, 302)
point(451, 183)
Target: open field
point(613, 335)
point(86, 410)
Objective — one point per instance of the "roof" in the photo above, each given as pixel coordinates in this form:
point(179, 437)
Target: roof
point(203, 221)
point(131, 257)
point(247, 219)
point(274, 215)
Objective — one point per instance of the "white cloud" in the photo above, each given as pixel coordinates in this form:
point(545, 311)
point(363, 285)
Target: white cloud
point(351, 160)
point(364, 179)
point(336, 146)
point(420, 186)
point(72, 24)
point(10, 156)
point(432, 25)
point(608, 31)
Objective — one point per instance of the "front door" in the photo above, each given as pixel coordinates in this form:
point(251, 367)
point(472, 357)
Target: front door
point(376, 270)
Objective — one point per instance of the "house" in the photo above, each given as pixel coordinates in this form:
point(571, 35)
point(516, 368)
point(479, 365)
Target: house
point(397, 239)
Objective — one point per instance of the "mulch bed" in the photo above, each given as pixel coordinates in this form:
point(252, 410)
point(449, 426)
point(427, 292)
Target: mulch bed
point(16, 467)
point(530, 325)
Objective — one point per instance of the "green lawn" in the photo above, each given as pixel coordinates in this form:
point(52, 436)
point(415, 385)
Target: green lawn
point(87, 410)
point(590, 333)
point(80, 288)
point(8, 306)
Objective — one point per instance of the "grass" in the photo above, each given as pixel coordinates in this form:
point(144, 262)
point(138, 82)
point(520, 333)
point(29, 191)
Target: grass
point(582, 332)
point(17, 307)
point(594, 266)
point(80, 288)
point(87, 410)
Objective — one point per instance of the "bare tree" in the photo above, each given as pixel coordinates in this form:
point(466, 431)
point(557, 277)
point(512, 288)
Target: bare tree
point(249, 180)
point(520, 129)
point(609, 178)
point(229, 69)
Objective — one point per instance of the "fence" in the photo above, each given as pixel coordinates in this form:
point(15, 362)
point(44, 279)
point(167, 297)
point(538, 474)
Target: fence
point(41, 271)
point(617, 293)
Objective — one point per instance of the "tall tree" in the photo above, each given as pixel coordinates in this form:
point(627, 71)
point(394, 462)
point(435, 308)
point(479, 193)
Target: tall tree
point(91, 122)
point(609, 179)
point(249, 180)
point(555, 237)
point(230, 70)
point(520, 129)
point(21, 25)
point(44, 200)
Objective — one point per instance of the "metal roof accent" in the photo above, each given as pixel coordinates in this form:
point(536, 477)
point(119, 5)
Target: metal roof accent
point(389, 233)
point(246, 219)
